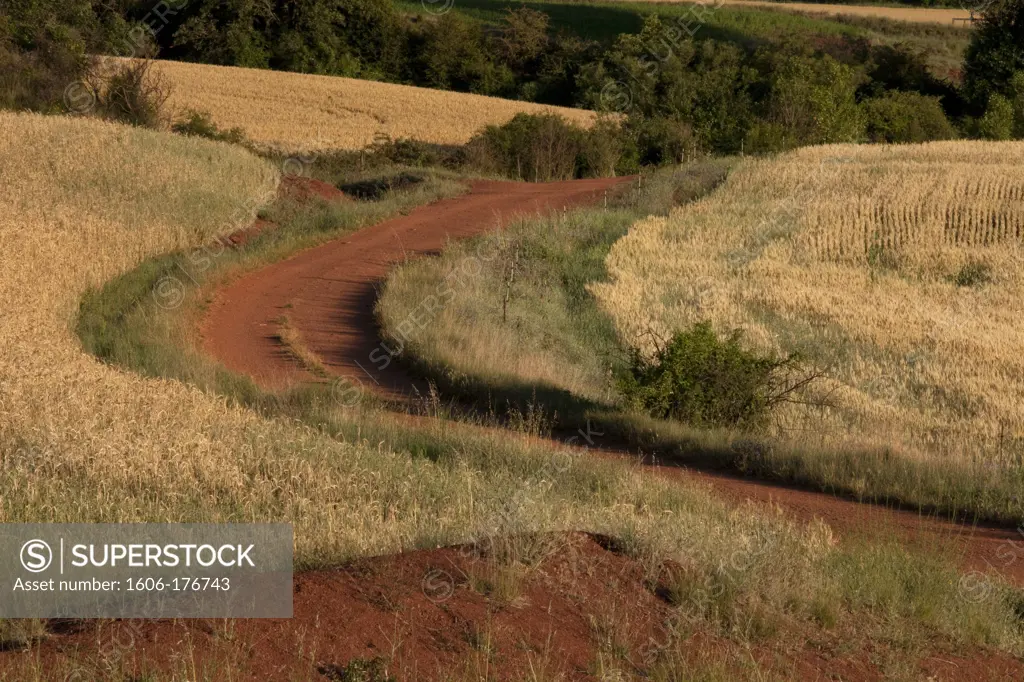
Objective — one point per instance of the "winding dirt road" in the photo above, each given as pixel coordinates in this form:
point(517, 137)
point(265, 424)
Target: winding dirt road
point(328, 294)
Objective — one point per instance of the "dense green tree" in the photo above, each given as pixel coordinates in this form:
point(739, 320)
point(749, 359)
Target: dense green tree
point(230, 32)
point(45, 48)
point(1017, 102)
point(997, 122)
point(344, 37)
point(906, 117)
point(452, 53)
point(656, 75)
point(813, 100)
point(995, 54)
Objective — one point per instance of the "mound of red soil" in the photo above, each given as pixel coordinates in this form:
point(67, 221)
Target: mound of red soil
point(293, 187)
point(302, 188)
point(577, 609)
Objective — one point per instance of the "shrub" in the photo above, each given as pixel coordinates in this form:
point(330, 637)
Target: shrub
point(453, 55)
point(604, 148)
point(906, 117)
point(767, 137)
point(704, 380)
point(199, 124)
point(132, 93)
point(663, 141)
point(44, 53)
point(546, 147)
point(997, 123)
point(540, 148)
point(1017, 89)
point(813, 99)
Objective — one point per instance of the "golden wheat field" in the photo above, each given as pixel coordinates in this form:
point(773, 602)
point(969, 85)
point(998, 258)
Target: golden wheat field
point(851, 255)
point(305, 112)
point(81, 441)
point(916, 15)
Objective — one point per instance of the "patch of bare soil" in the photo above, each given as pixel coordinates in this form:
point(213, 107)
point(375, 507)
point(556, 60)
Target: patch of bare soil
point(565, 607)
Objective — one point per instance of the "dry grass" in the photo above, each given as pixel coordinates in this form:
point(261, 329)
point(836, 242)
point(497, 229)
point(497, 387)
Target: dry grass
point(295, 345)
point(851, 255)
point(304, 112)
point(916, 15)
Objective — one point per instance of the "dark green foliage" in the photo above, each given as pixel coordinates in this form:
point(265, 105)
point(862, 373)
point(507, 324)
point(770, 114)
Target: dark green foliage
point(997, 123)
point(606, 149)
point(996, 53)
point(199, 124)
point(663, 141)
point(525, 39)
point(452, 53)
point(45, 47)
point(230, 32)
point(1017, 102)
point(754, 81)
point(539, 148)
point(701, 379)
point(546, 147)
point(342, 37)
point(657, 75)
point(813, 100)
point(906, 117)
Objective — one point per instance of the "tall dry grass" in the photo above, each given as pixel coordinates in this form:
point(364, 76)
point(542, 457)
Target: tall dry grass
point(861, 258)
point(305, 112)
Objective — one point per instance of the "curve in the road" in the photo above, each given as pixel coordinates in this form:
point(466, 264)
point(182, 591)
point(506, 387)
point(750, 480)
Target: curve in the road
point(328, 293)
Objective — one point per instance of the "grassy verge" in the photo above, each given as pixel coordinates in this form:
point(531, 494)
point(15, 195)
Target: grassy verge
point(356, 481)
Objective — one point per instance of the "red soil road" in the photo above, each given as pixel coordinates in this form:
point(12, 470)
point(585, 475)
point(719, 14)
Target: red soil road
point(328, 294)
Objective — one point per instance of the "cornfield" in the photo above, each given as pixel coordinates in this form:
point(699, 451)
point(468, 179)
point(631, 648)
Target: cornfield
point(305, 112)
point(899, 270)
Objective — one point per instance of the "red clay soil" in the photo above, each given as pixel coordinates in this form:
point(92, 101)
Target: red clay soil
point(301, 188)
point(329, 292)
point(296, 188)
point(577, 608)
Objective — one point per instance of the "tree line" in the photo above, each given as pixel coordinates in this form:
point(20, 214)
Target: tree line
point(675, 93)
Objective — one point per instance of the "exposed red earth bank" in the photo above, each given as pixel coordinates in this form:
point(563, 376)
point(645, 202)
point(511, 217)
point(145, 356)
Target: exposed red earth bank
point(430, 615)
